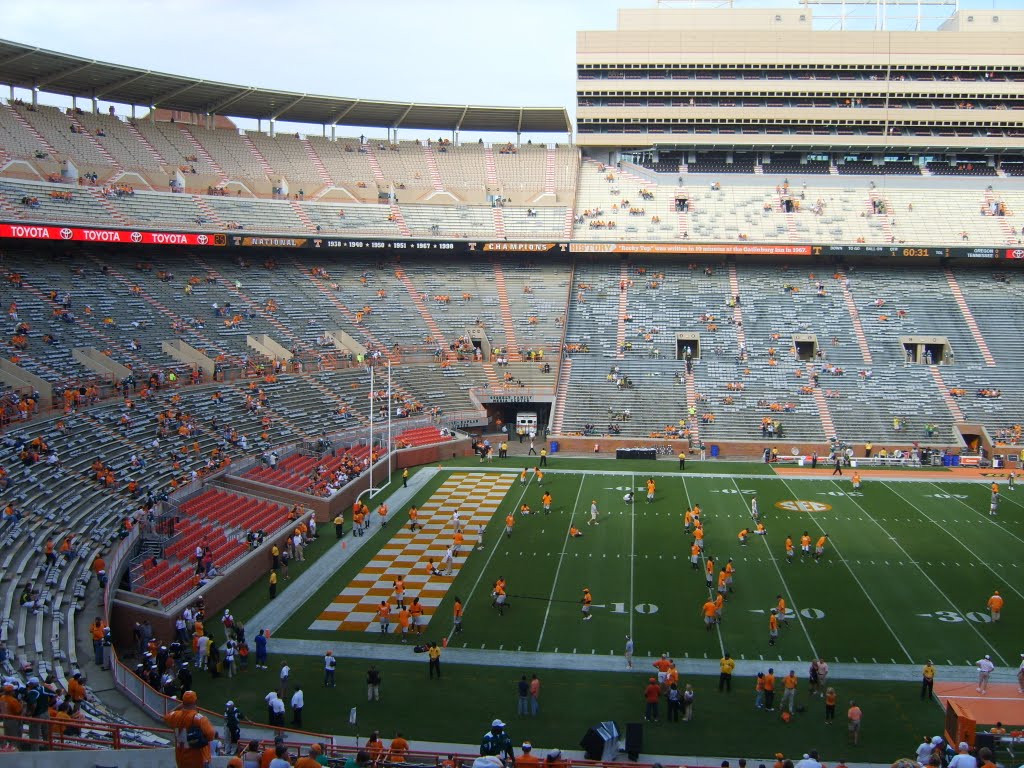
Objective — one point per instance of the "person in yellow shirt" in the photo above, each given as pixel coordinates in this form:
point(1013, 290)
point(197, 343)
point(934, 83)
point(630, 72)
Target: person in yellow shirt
point(927, 681)
point(789, 549)
point(995, 605)
point(819, 546)
point(725, 667)
point(789, 684)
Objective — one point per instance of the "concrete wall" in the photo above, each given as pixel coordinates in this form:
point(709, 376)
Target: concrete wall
point(129, 758)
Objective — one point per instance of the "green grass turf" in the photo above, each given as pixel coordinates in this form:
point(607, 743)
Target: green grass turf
point(905, 577)
point(459, 709)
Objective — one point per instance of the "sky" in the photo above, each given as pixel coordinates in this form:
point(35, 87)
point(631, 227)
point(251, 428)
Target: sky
point(511, 53)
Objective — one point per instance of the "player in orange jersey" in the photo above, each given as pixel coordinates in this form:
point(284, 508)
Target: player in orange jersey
point(773, 627)
point(708, 612)
point(995, 605)
point(545, 502)
point(789, 549)
point(805, 544)
point(694, 556)
point(819, 546)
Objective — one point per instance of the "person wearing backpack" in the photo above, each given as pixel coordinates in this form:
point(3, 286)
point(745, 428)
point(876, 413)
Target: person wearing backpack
point(192, 733)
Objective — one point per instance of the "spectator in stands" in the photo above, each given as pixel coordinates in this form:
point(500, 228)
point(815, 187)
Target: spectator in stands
point(186, 721)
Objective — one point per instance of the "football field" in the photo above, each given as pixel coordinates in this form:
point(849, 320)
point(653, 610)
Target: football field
point(907, 570)
point(905, 576)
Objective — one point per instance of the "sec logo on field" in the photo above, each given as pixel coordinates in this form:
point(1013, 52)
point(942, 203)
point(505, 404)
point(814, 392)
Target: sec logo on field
point(803, 506)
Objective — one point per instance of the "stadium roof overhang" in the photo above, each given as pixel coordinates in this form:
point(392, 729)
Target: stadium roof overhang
point(25, 66)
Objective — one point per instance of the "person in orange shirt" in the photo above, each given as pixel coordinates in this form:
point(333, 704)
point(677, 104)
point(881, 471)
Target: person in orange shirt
point(742, 536)
point(995, 605)
point(399, 586)
point(698, 538)
point(403, 622)
point(384, 616)
point(805, 544)
point(830, 705)
point(663, 664)
point(708, 612)
point(773, 626)
point(413, 514)
point(730, 571)
point(687, 519)
point(382, 510)
point(538, 476)
point(769, 690)
point(522, 477)
point(416, 615)
point(574, 532)
point(527, 758)
point(819, 546)
point(545, 502)
point(789, 683)
point(457, 540)
point(856, 481)
point(650, 490)
point(586, 601)
point(719, 607)
point(500, 597)
point(694, 556)
point(375, 747)
point(723, 586)
point(524, 509)
point(182, 719)
point(780, 606)
point(759, 691)
point(457, 616)
point(510, 521)
point(853, 718)
point(709, 571)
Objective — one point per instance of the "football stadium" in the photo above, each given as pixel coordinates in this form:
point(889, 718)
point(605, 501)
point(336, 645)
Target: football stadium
point(650, 428)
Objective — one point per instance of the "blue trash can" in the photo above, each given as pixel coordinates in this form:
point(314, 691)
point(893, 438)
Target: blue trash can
point(714, 451)
point(554, 446)
point(956, 461)
point(947, 461)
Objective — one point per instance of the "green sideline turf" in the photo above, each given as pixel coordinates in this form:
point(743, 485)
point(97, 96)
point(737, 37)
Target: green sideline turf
point(461, 706)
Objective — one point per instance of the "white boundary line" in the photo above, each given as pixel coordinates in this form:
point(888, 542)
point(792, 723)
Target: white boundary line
point(859, 584)
point(922, 570)
point(561, 559)
point(632, 549)
point(945, 530)
point(785, 584)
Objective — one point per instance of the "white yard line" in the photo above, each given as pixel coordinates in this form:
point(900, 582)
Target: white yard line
point(919, 568)
point(561, 559)
point(859, 584)
point(984, 516)
point(483, 570)
point(949, 533)
point(711, 591)
point(785, 585)
point(632, 549)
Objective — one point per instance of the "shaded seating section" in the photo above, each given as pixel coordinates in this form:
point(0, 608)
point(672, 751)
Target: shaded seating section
point(294, 471)
point(428, 435)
